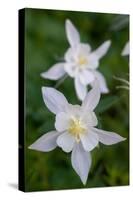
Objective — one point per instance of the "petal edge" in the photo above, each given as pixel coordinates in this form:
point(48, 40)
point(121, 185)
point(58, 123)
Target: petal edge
point(55, 101)
point(55, 72)
point(81, 162)
point(45, 143)
point(72, 33)
point(108, 138)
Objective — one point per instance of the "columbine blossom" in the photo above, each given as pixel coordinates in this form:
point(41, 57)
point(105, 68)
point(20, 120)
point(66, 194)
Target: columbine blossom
point(74, 129)
point(80, 63)
point(125, 51)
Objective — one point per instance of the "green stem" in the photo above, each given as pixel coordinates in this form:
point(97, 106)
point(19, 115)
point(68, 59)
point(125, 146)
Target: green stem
point(60, 81)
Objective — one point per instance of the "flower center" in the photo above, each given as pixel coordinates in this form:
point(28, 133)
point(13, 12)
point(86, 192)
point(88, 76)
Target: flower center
point(76, 128)
point(82, 60)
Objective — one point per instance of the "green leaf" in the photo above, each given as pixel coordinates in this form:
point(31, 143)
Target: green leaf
point(106, 103)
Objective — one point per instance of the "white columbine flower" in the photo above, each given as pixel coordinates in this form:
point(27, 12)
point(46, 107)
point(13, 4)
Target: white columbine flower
point(80, 63)
point(75, 129)
point(125, 51)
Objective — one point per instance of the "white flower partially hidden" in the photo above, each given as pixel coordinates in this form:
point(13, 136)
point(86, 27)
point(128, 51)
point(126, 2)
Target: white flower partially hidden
point(125, 51)
point(80, 63)
point(75, 129)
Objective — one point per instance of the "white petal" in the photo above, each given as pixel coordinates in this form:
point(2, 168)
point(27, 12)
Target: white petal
point(86, 77)
point(81, 162)
point(89, 118)
point(46, 143)
point(72, 33)
point(102, 50)
point(70, 55)
point(81, 89)
point(54, 100)
point(55, 72)
point(62, 121)
point(66, 142)
point(74, 110)
point(89, 140)
point(93, 61)
point(92, 98)
point(83, 49)
point(102, 82)
point(71, 69)
point(125, 51)
point(107, 137)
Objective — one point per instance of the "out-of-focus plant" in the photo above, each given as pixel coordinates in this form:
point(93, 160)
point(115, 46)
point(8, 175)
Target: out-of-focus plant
point(80, 63)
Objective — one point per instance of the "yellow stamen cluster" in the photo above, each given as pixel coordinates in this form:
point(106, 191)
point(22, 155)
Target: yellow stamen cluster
point(76, 128)
point(82, 60)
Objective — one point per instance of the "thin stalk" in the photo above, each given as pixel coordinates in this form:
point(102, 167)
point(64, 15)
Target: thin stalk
point(122, 80)
point(61, 81)
point(122, 87)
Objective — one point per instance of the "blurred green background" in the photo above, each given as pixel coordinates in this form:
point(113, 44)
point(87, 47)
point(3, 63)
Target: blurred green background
point(46, 44)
